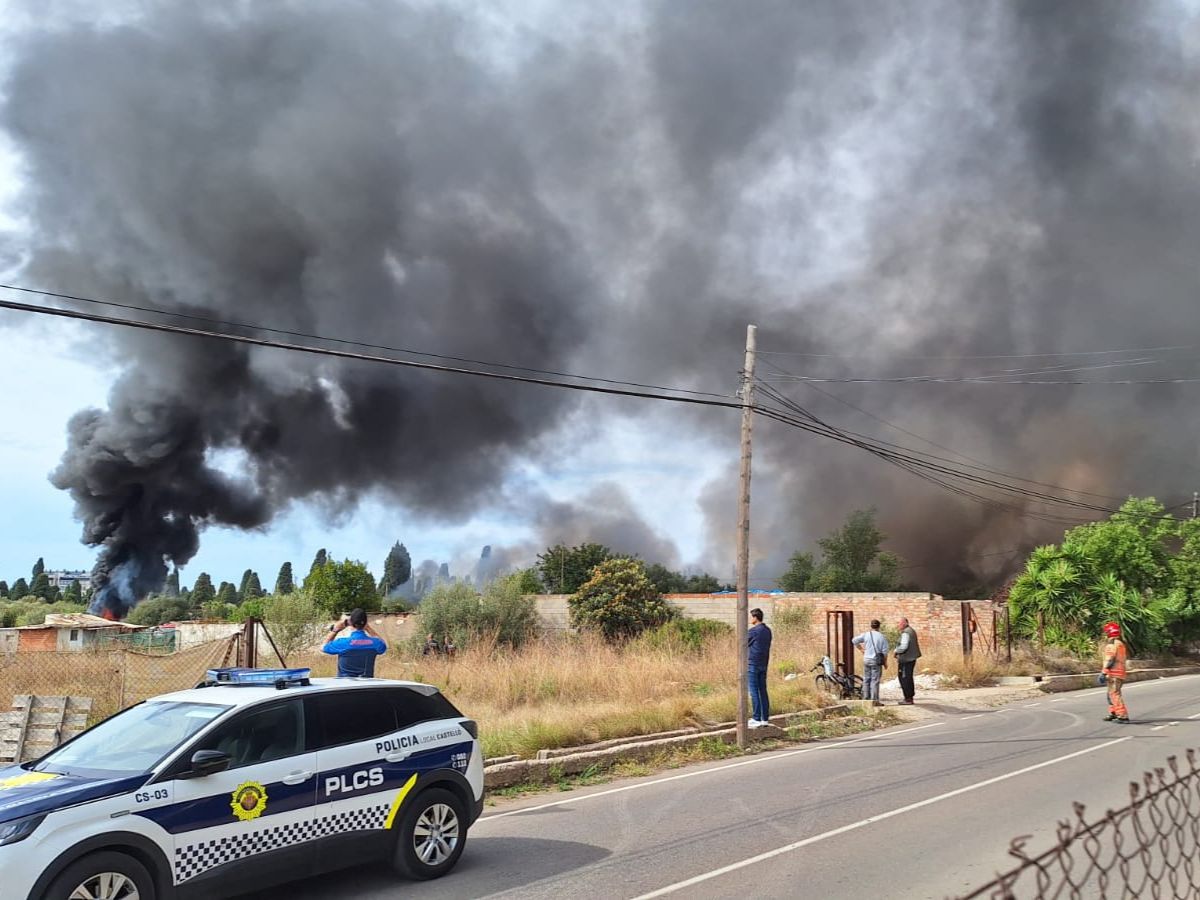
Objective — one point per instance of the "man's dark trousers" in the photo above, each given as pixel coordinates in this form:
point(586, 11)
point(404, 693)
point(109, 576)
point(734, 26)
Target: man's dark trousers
point(760, 704)
point(907, 685)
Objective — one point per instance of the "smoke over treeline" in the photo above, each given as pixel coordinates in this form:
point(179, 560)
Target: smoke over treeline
point(614, 190)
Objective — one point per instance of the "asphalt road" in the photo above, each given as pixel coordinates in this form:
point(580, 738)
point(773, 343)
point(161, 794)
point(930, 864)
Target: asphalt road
point(922, 810)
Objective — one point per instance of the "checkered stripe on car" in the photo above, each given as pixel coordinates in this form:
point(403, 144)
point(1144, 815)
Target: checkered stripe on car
point(195, 859)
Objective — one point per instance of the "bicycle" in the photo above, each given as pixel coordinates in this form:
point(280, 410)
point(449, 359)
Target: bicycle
point(837, 682)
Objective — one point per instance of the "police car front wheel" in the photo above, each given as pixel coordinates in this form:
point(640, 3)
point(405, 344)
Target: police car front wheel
point(432, 835)
point(103, 876)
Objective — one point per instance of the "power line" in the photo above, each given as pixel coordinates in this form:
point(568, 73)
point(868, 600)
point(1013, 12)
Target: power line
point(346, 354)
point(344, 341)
point(1061, 355)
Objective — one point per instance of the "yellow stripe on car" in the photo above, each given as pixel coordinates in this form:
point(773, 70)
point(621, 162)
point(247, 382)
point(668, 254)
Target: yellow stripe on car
point(408, 786)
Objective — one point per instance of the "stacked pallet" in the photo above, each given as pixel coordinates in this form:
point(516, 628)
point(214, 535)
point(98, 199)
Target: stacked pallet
point(36, 725)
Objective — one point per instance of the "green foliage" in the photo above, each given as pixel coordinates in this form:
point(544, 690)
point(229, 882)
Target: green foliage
point(293, 620)
point(670, 582)
point(338, 587)
point(503, 614)
point(4, 590)
point(284, 582)
point(202, 591)
point(41, 587)
point(619, 601)
point(172, 586)
point(226, 596)
point(319, 560)
point(250, 587)
point(851, 560)
point(691, 634)
point(248, 609)
point(39, 567)
point(158, 609)
point(32, 611)
point(20, 589)
point(565, 569)
point(1140, 567)
point(397, 569)
point(528, 581)
point(793, 618)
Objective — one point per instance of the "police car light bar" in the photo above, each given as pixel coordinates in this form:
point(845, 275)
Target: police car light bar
point(279, 678)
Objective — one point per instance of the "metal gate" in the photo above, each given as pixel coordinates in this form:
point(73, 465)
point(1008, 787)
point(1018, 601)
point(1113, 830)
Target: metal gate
point(839, 635)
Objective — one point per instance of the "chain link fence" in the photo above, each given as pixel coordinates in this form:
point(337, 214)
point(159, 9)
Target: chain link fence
point(1150, 848)
point(114, 674)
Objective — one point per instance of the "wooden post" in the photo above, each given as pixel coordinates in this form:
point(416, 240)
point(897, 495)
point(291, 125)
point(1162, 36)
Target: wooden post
point(743, 537)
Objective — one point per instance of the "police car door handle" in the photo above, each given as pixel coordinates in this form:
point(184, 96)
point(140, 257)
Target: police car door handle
point(398, 756)
point(297, 777)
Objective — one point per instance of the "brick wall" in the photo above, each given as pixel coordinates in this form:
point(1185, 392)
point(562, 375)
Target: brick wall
point(938, 621)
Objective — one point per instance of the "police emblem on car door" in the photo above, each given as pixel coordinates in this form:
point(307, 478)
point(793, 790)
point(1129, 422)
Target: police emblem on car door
point(259, 811)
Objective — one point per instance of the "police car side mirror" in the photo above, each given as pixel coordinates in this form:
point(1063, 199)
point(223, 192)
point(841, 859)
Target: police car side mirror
point(207, 762)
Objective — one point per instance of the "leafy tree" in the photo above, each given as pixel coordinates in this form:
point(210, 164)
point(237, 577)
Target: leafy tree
point(20, 589)
point(528, 581)
point(4, 591)
point(704, 584)
point(1120, 569)
point(41, 587)
point(172, 588)
point(73, 593)
point(319, 561)
point(619, 601)
point(502, 615)
point(226, 596)
point(39, 567)
point(851, 560)
point(247, 609)
point(158, 609)
point(664, 579)
point(397, 569)
point(565, 569)
point(284, 584)
point(202, 591)
point(293, 620)
point(31, 611)
point(338, 587)
point(250, 587)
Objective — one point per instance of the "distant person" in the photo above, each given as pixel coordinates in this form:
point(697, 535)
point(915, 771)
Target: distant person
point(356, 653)
point(1114, 671)
point(432, 647)
point(874, 647)
point(908, 651)
point(448, 646)
point(759, 642)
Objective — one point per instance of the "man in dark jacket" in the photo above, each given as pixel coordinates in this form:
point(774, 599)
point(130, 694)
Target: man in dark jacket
point(759, 639)
point(908, 651)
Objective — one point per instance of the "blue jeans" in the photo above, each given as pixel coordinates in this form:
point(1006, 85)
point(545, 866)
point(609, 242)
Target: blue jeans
point(758, 694)
point(871, 673)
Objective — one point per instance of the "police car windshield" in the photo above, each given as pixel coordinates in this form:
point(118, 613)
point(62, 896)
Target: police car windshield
point(133, 741)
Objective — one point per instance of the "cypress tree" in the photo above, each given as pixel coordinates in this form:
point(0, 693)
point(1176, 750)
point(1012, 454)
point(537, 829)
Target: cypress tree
point(20, 589)
point(284, 584)
point(397, 569)
point(202, 591)
point(39, 567)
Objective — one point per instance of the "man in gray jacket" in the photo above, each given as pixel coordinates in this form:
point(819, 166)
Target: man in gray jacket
point(908, 651)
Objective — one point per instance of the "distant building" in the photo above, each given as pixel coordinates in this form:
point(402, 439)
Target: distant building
point(62, 579)
point(62, 632)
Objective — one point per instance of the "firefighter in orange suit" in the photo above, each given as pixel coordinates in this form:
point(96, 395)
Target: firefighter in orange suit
point(1114, 672)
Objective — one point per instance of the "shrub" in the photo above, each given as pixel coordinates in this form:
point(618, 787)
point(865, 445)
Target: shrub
point(502, 615)
point(158, 609)
point(292, 620)
point(693, 634)
point(31, 611)
point(793, 618)
point(619, 601)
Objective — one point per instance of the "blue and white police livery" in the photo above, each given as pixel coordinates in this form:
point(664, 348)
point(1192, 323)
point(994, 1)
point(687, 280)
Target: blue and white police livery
point(260, 778)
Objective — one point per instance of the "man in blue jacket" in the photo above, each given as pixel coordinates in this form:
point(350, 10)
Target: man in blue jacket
point(759, 657)
point(356, 653)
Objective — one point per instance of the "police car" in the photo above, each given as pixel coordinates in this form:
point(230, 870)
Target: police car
point(257, 777)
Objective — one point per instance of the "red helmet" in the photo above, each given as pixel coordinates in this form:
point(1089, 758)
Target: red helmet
point(1112, 629)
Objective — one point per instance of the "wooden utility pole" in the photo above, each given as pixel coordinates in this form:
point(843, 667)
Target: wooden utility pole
point(743, 536)
point(1195, 504)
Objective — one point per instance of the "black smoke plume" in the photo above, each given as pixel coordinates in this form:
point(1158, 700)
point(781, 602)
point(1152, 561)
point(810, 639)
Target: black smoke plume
point(614, 190)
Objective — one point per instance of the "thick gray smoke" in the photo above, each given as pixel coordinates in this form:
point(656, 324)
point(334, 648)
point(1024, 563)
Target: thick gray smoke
point(614, 191)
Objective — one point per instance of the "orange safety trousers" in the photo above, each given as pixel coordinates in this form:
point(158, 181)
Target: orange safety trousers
point(1116, 705)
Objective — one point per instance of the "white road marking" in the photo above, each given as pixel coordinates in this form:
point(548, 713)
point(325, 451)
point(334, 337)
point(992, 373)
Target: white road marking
point(735, 765)
point(1032, 705)
point(1164, 725)
point(976, 716)
point(754, 860)
point(1196, 716)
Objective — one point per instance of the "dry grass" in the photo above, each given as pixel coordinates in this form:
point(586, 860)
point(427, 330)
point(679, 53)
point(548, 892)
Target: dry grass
point(575, 689)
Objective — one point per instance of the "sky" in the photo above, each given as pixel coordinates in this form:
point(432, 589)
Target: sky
point(924, 206)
